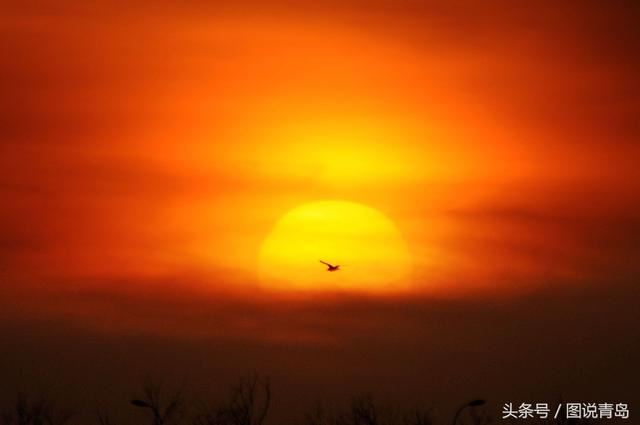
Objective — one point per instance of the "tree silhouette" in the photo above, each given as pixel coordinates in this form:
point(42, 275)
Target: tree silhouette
point(364, 411)
point(39, 412)
point(248, 404)
point(162, 409)
point(103, 417)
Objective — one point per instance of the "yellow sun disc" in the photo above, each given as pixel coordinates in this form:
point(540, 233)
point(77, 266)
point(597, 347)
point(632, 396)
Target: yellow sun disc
point(372, 255)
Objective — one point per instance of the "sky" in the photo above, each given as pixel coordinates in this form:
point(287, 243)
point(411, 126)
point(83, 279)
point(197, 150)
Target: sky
point(148, 150)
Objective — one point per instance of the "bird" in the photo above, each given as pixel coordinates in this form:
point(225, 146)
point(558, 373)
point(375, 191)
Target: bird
point(331, 267)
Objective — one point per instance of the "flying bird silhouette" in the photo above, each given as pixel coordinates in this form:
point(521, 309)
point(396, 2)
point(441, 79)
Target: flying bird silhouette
point(331, 267)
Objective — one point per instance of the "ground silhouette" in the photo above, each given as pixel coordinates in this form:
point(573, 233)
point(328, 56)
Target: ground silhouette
point(248, 403)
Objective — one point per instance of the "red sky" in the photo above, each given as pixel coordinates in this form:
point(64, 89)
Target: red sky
point(147, 149)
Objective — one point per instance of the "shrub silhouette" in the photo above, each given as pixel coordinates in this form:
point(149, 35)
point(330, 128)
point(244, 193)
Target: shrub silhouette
point(38, 412)
point(163, 409)
point(364, 411)
point(248, 404)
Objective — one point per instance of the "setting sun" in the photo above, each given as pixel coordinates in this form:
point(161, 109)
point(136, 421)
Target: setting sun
point(367, 245)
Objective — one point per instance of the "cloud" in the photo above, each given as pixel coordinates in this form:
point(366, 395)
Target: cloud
point(576, 342)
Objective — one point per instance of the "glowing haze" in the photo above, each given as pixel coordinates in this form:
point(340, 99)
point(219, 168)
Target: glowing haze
point(172, 173)
point(189, 144)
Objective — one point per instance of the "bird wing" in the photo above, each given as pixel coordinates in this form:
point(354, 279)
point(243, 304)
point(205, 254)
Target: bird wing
point(325, 263)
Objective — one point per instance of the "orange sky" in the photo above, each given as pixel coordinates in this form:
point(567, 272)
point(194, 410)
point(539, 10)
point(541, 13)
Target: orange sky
point(147, 149)
point(151, 141)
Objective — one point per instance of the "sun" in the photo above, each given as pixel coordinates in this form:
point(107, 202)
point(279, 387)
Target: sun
point(371, 252)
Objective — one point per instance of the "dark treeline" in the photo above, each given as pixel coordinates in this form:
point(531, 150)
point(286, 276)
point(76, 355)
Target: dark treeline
point(248, 403)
